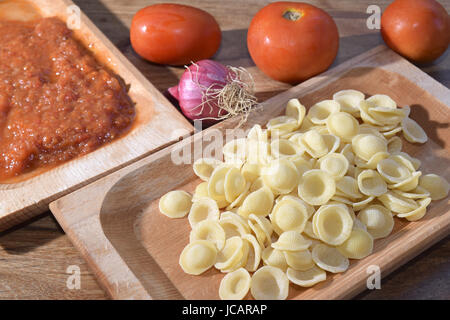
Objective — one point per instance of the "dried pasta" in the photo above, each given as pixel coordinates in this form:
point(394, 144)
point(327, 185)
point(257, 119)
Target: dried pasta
point(301, 196)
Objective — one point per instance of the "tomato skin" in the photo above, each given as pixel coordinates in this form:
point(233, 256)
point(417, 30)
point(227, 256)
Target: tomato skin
point(292, 51)
point(417, 29)
point(174, 34)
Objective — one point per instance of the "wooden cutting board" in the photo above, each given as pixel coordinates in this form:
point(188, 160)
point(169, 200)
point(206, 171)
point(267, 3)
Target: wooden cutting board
point(134, 250)
point(157, 125)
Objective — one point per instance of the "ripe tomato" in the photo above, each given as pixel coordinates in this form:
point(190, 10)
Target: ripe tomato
point(292, 41)
point(174, 34)
point(417, 29)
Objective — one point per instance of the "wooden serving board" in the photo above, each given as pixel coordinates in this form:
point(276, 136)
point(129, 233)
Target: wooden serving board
point(157, 125)
point(134, 250)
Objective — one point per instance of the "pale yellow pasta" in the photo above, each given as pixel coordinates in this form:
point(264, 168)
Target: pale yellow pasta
point(299, 260)
point(198, 256)
point(349, 100)
point(269, 283)
point(371, 183)
point(437, 186)
point(301, 164)
point(362, 203)
point(175, 204)
point(357, 224)
point(289, 214)
point(391, 133)
point(332, 142)
point(394, 145)
point(257, 184)
point(358, 246)
point(233, 224)
point(291, 191)
point(403, 160)
point(414, 161)
point(348, 153)
point(238, 201)
point(372, 162)
point(201, 191)
point(263, 223)
point(280, 148)
point(254, 254)
point(329, 259)
point(203, 209)
point(281, 176)
point(409, 183)
point(260, 234)
point(417, 193)
point(418, 213)
point(319, 113)
point(235, 285)
point(348, 187)
point(234, 184)
point(216, 183)
point(296, 110)
point(364, 108)
point(306, 278)
point(393, 171)
point(382, 100)
point(282, 124)
point(413, 132)
point(258, 202)
point(343, 125)
point(257, 133)
point(378, 220)
point(291, 241)
point(204, 167)
point(314, 144)
point(367, 145)
point(258, 152)
point(316, 187)
point(209, 230)
point(386, 115)
point(231, 254)
point(332, 223)
point(274, 257)
point(396, 203)
point(335, 164)
point(250, 171)
point(235, 149)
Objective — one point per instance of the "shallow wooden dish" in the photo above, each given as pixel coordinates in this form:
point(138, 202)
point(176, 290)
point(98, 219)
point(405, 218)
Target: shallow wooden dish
point(134, 250)
point(157, 125)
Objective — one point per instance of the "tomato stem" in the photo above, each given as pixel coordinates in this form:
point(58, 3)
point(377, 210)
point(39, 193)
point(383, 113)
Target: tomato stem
point(292, 15)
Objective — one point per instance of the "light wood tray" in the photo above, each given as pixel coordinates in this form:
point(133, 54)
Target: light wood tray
point(155, 127)
point(134, 250)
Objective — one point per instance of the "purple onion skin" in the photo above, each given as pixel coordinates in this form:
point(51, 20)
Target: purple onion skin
point(190, 95)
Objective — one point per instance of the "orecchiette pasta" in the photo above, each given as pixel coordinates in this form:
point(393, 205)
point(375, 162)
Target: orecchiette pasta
point(302, 196)
point(235, 285)
point(269, 283)
point(175, 204)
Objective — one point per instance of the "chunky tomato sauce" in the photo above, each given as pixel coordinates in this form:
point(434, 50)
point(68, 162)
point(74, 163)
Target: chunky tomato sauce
point(56, 100)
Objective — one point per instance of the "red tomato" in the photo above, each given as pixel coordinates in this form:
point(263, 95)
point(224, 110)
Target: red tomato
point(174, 34)
point(417, 29)
point(292, 41)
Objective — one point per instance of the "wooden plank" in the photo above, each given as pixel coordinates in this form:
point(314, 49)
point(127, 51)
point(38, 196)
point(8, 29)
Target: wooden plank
point(133, 250)
point(155, 127)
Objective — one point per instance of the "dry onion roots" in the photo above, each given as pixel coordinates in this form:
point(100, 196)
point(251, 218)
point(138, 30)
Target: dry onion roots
point(304, 195)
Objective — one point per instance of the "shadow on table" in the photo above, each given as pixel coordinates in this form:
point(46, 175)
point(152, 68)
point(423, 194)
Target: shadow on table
point(29, 235)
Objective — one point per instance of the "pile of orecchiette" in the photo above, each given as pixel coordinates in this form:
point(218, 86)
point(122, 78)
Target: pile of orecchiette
point(289, 194)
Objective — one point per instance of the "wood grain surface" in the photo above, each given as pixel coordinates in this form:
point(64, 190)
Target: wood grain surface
point(34, 257)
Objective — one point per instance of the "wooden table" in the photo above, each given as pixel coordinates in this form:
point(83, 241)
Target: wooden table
point(34, 257)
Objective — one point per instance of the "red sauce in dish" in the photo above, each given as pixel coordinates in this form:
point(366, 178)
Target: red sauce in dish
point(56, 100)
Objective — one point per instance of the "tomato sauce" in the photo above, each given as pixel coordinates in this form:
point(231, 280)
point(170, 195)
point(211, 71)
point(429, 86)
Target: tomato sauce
point(57, 101)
